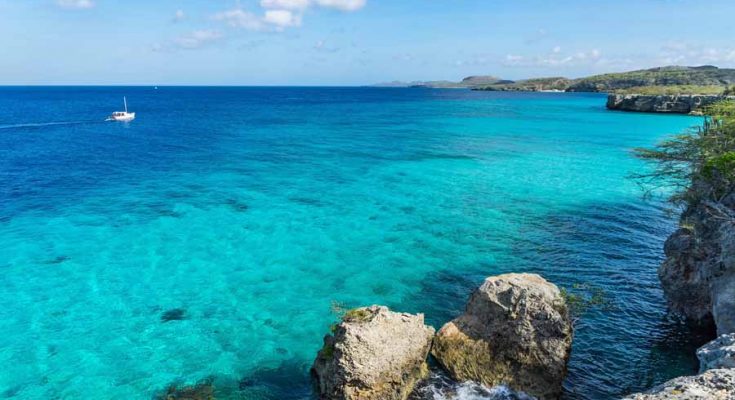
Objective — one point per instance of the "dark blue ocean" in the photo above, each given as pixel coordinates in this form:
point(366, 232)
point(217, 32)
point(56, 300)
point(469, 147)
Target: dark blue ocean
point(210, 237)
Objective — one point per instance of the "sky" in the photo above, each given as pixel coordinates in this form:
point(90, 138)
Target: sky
point(350, 42)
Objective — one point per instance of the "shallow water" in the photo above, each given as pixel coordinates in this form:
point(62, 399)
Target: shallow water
point(210, 237)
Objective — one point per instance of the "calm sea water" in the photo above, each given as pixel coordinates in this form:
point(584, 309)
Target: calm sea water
point(210, 237)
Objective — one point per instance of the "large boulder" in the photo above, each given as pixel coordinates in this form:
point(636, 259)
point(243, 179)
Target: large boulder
point(374, 354)
point(719, 353)
point(515, 331)
point(715, 384)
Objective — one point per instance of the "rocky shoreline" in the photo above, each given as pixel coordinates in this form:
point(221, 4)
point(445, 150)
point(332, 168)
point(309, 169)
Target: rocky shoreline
point(675, 104)
point(698, 278)
point(516, 330)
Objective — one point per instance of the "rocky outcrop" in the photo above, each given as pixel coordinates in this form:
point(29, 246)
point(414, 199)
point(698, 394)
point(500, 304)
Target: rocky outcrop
point(719, 353)
point(679, 104)
point(515, 331)
point(698, 274)
point(374, 354)
point(715, 384)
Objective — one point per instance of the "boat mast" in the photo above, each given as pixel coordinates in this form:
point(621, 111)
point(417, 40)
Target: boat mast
point(126, 104)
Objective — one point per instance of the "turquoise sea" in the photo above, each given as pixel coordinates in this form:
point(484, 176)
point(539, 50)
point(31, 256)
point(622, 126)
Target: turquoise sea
point(210, 237)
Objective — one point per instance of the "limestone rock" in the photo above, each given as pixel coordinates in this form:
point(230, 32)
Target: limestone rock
point(698, 274)
point(719, 353)
point(374, 354)
point(678, 104)
point(715, 384)
point(515, 331)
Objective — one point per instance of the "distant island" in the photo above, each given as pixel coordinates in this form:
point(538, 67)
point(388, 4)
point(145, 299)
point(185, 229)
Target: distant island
point(706, 79)
point(672, 89)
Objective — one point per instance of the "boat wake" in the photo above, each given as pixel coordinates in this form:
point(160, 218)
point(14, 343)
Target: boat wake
point(45, 124)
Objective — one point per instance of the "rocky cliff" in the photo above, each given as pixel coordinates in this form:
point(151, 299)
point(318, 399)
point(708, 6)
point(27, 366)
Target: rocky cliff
point(698, 274)
point(679, 104)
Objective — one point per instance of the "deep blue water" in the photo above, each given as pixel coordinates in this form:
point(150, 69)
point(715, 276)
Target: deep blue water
point(210, 237)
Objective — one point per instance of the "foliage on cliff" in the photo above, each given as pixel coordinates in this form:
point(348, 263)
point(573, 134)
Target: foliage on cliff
point(674, 90)
point(662, 76)
point(699, 164)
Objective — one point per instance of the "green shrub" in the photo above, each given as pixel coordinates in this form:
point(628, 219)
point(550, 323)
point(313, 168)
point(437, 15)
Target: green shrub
point(724, 165)
point(357, 315)
point(673, 90)
point(693, 157)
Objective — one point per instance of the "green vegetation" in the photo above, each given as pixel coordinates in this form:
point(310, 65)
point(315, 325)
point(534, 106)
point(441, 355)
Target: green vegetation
point(705, 79)
point(357, 315)
point(348, 315)
point(327, 352)
point(673, 90)
point(699, 164)
point(536, 84)
point(663, 76)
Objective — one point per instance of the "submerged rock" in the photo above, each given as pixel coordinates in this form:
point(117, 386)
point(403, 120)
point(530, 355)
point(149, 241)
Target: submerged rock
point(200, 391)
point(174, 314)
point(374, 354)
point(515, 331)
point(719, 353)
point(715, 384)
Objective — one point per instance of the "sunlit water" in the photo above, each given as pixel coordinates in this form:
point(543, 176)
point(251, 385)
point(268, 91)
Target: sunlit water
point(210, 237)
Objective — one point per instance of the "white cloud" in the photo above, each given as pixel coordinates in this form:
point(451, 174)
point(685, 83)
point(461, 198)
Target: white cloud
point(239, 18)
point(555, 58)
point(179, 15)
point(280, 14)
point(78, 4)
point(272, 20)
point(344, 5)
point(198, 39)
point(683, 53)
point(282, 18)
point(286, 4)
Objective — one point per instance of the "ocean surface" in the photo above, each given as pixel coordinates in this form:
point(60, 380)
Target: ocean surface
point(211, 238)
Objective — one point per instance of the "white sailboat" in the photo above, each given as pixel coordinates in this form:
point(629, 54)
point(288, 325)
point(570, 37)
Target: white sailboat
point(123, 116)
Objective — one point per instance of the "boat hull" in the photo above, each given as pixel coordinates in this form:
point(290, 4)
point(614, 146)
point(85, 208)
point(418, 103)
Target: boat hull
point(122, 118)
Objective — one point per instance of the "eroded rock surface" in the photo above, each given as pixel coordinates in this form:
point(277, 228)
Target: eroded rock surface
point(698, 274)
point(715, 384)
point(374, 354)
point(515, 331)
point(679, 104)
point(719, 353)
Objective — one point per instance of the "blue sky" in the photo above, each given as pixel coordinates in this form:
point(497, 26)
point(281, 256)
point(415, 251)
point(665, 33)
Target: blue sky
point(346, 42)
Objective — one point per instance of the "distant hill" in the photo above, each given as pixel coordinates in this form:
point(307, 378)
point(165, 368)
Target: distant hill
point(469, 82)
point(706, 79)
point(530, 85)
point(706, 75)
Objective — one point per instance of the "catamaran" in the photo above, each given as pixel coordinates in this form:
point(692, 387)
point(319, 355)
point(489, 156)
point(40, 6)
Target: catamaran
point(123, 116)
